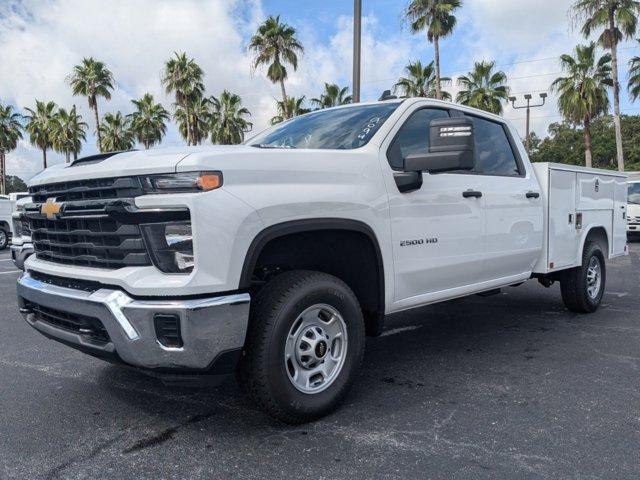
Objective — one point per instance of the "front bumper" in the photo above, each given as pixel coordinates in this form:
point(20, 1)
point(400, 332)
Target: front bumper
point(20, 253)
point(633, 228)
point(213, 329)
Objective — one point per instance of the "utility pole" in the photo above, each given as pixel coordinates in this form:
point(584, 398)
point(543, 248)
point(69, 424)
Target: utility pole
point(357, 36)
point(528, 106)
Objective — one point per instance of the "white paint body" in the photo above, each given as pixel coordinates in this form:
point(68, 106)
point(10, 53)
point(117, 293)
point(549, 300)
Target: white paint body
point(497, 240)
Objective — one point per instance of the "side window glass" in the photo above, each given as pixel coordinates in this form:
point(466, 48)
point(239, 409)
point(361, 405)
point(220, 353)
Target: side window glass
point(494, 155)
point(413, 136)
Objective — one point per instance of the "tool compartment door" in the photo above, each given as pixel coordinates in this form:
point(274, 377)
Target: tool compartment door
point(620, 217)
point(563, 237)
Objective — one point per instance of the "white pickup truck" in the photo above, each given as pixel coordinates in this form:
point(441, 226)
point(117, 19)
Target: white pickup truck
point(275, 258)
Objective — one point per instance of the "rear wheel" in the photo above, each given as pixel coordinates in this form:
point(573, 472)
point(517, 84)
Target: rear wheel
point(304, 346)
point(583, 287)
point(4, 238)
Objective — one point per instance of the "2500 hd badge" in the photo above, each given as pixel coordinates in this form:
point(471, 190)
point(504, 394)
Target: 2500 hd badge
point(421, 241)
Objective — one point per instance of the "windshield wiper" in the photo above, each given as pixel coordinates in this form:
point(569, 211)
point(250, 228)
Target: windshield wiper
point(268, 145)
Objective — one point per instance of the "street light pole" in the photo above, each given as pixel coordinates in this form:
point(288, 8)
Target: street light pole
point(528, 106)
point(357, 35)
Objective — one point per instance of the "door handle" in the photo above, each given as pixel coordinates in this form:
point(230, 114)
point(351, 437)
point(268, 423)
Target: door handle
point(472, 193)
point(533, 195)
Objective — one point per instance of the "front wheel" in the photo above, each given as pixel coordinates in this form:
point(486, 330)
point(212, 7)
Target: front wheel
point(304, 346)
point(583, 287)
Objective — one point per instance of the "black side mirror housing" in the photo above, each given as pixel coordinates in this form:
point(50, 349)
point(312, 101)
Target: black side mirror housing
point(451, 147)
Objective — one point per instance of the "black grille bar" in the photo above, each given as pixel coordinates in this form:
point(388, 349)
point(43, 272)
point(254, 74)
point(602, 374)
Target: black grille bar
point(88, 327)
point(85, 232)
point(92, 189)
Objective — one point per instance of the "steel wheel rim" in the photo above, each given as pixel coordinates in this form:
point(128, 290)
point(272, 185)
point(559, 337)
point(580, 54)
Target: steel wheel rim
point(3, 237)
point(594, 277)
point(316, 349)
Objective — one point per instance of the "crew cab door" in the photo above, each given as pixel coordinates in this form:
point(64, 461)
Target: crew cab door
point(512, 200)
point(438, 229)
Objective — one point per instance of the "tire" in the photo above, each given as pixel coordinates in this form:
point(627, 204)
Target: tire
point(4, 238)
point(284, 315)
point(583, 287)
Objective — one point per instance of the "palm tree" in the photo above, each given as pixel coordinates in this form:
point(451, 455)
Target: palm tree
point(275, 44)
point(183, 77)
point(92, 79)
point(149, 121)
point(436, 17)
point(484, 88)
point(619, 20)
point(292, 108)
point(421, 82)
point(10, 134)
point(582, 93)
point(194, 120)
point(39, 124)
point(332, 96)
point(116, 133)
point(68, 131)
point(634, 77)
point(228, 124)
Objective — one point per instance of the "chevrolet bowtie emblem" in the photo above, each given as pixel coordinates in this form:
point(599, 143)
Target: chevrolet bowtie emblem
point(50, 208)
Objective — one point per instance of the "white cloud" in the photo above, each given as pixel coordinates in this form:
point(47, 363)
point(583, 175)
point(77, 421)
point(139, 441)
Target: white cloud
point(39, 46)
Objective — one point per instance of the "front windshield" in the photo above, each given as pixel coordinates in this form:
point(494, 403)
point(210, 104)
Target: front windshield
point(340, 128)
point(634, 193)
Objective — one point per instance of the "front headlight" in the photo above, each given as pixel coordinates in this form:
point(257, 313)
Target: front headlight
point(170, 246)
point(182, 182)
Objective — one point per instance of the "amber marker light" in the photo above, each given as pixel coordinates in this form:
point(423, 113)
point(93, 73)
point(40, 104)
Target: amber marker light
point(209, 181)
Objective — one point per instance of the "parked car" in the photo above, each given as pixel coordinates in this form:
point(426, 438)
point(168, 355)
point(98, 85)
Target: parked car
point(21, 246)
point(275, 258)
point(6, 209)
point(633, 209)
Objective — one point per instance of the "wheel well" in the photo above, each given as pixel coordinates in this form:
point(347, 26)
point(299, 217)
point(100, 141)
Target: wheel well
point(599, 235)
point(348, 251)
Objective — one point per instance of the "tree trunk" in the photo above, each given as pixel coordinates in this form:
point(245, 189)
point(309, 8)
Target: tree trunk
point(75, 156)
point(3, 173)
point(287, 114)
point(616, 93)
point(44, 157)
point(436, 44)
point(587, 143)
point(95, 113)
point(188, 120)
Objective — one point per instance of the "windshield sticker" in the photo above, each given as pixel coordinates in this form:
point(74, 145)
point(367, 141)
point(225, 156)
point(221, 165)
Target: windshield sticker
point(371, 125)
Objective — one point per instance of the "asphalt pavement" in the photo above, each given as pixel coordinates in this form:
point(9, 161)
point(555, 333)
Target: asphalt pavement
point(510, 386)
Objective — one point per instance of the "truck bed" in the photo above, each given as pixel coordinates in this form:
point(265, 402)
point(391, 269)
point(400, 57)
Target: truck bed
point(577, 200)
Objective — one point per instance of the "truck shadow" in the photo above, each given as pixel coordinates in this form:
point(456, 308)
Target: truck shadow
point(424, 354)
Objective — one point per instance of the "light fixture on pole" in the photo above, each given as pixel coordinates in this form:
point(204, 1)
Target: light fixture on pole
point(357, 35)
point(528, 106)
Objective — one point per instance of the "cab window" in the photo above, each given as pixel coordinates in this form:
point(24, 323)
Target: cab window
point(413, 136)
point(494, 153)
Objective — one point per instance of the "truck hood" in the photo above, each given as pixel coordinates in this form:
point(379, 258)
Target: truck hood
point(143, 162)
point(239, 164)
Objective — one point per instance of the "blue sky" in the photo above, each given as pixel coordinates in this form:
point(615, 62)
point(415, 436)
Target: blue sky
point(40, 41)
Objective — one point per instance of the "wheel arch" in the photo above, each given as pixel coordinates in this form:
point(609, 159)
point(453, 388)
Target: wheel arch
point(599, 235)
point(372, 309)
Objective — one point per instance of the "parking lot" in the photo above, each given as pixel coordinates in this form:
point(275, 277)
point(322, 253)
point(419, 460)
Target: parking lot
point(508, 386)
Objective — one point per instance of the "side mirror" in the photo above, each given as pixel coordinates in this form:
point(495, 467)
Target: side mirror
point(451, 147)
